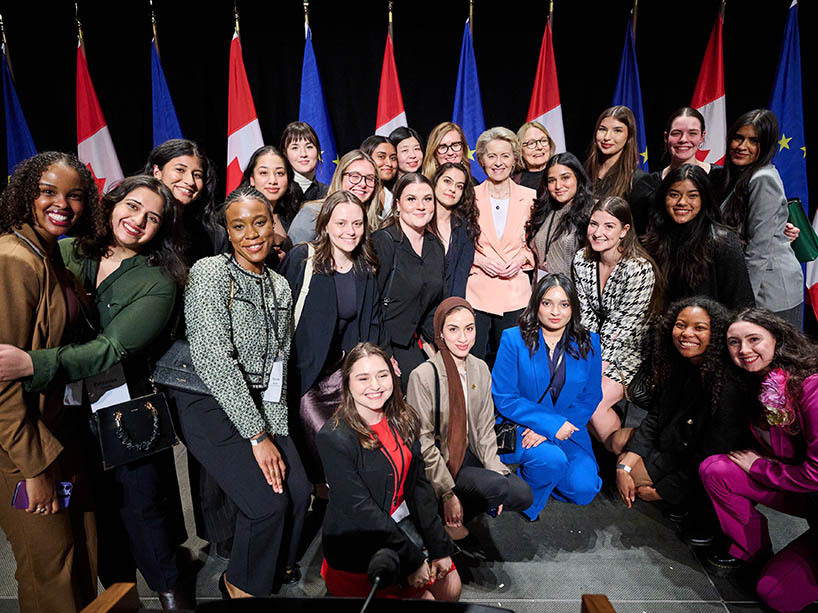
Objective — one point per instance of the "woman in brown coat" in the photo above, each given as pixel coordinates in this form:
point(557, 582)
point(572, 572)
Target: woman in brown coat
point(55, 549)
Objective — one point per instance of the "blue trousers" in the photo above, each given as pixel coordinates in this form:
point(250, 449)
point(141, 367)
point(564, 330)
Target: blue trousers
point(559, 468)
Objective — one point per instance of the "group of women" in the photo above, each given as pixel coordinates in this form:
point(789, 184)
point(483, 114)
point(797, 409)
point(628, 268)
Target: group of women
point(312, 311)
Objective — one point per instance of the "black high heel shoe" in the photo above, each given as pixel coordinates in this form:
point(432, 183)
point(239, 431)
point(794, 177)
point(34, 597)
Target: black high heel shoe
point(223, 587)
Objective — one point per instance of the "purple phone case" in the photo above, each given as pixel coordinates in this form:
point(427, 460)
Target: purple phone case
point(20, 498)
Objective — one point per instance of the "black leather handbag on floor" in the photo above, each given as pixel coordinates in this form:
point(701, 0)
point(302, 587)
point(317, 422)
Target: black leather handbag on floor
point(506, 432)
point(135, 429)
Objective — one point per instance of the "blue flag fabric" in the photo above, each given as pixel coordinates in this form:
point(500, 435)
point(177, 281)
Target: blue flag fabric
point(786, 102)
point(628, 93)
point(468, 105)
point(313, 110)
point(19, 144)
point(165, 123)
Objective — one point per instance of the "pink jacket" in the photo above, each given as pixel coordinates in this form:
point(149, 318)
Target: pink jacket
point(492, 294)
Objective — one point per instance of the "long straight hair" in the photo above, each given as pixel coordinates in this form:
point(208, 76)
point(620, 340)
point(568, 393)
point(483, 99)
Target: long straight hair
point(363, 256)
point(287, 206)
point(465, 211)
point(617, 181)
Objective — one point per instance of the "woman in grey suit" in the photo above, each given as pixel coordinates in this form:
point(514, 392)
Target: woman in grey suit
point(756, 205)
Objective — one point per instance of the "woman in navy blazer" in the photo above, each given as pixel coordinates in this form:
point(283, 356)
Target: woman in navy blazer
point(548, 380)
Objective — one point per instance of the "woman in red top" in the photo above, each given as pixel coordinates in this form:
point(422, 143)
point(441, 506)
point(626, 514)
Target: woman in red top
point(375, 471)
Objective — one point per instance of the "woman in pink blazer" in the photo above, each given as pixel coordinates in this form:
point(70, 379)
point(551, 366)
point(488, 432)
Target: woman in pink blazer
point(498, 286)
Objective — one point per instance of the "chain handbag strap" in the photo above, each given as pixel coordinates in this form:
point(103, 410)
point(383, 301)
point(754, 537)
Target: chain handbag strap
point(125, 437)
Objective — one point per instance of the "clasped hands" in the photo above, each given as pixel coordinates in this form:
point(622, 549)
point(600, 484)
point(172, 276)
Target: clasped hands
point(429, 572)
point(498, 268)
point(531, 439)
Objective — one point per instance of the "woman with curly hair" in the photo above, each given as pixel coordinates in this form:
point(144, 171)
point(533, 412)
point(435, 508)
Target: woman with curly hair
point(54, 547)
point(455, 223)
point(547, 381)
point(559, 218)
point(130, 266)
point(697, 411)
point(696, 254)
point(781, 470)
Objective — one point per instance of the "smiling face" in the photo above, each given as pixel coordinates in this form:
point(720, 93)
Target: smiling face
point(744, 146)
point(410, 155)
point(359, 178)
point(449, 187)
point(611, 136)
point(303, 156)
point(691, 333)
point(345, 228)
point(136, 219)
point(184, 176)
point(458, 332)
point(536, 150)
point(498, 160)
point(605, 232)
point(370, 385)
point(270, 176)
point(450, 148)
point(60, 202)
point(555, 310)
point(562, 184)
point(416, 206)
point(751, 347)
point(250, 230)
point(683, 201)
point(683, 139)
point(386, 161)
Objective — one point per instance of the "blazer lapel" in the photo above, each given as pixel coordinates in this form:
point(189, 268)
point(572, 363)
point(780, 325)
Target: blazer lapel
point(517, 210)
point(483, 200)
point(570, 389)
point(541, 373)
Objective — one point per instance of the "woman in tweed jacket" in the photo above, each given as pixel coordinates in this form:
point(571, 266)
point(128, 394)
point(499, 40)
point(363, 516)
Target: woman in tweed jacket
point(618, 292)
point(238, 316)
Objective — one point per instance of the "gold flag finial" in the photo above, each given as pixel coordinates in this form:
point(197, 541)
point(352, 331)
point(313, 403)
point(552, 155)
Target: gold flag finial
point(306, 12)
point(79, 23)
point(153, 27)
point(390, 27)
point(551, 12)
point(236, 15)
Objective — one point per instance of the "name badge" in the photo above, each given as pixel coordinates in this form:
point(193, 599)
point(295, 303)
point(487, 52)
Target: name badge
point(273, 391)
point(108, 388)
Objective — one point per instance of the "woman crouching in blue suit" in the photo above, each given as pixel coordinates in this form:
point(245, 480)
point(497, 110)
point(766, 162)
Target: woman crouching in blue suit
point(548, 380)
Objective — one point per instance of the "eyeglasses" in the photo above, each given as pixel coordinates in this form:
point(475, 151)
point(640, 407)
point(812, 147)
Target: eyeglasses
point(444, 149)
point(355, 178)
point(531, 144)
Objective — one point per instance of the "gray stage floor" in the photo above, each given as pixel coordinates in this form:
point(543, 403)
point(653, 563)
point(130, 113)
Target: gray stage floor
point(633, 556)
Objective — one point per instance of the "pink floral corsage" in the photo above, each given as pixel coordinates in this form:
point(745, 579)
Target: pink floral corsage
point(774, 398)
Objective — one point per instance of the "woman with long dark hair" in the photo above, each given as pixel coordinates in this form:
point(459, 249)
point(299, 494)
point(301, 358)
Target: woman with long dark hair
point(385, 156)
point(755, 205)
point(613, 155)
point(780, 471)
point(375, 471)
point(696, 254)
point(409, 146)
point(300, 144)
point(546, 380)
point(620, 288)
point(456, 223)
point(559, 218)
point(48, 195)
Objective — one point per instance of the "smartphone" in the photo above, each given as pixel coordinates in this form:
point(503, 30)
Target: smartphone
point(20, 498)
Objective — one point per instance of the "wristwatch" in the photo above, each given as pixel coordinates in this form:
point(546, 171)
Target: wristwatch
point(259, 440)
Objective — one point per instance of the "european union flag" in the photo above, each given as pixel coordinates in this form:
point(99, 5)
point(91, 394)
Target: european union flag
point(628, 93)
point(468, 105)
point(786, 103)
point(165, 123)
point(19, 144)
point(313, 110)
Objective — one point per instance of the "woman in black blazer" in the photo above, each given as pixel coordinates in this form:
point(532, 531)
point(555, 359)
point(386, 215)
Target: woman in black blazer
point(337, 307)
point(376, 476)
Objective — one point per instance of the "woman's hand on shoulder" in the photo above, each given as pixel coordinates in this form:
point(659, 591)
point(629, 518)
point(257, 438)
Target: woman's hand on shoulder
point(566, 431)
point(531, 439)
point(14, 363)
point(271, 463)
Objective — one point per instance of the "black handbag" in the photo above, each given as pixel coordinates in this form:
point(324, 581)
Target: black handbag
point(175, 370)
point(135, 429)
point(506, 432)
point(640, 389)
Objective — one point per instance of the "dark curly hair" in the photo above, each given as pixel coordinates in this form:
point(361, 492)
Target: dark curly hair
point(165, 250)
point(16, 201)
point(794, 352)
point(287, 206)
point(530, 322)
point(667, 360)
point(465, 211)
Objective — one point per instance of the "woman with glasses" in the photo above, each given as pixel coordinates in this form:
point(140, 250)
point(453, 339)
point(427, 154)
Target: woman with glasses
point(447, 143)
point(538, 147)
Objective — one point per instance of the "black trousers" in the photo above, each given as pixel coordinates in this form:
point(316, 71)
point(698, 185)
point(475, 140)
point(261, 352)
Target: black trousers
point(480, 489)
point(409, 358)
point(268, 525)
point(489, 330)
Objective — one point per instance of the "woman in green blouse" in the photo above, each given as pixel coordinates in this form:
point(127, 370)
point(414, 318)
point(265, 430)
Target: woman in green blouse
point(130, 266)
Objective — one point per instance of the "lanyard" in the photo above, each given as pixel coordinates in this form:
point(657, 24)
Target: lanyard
point(398, 476)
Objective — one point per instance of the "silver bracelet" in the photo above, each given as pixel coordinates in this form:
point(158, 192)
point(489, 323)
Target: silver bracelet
point(257, 441)
point(624, 467)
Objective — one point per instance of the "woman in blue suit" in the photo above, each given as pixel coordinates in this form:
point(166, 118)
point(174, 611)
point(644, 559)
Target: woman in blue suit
point(548, 380)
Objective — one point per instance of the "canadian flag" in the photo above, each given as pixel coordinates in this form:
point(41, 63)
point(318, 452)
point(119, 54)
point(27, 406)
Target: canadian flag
point(391, 114)
point(545, 104)
point(710, 100)
point(95, 148)
point(243, 129)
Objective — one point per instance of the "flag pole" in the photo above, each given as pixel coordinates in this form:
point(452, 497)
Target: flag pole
point(236, 16)
point(551, 13)
point(79, 26)
point(389, 27)
point(471, 19)
point(306, 4)
point(5, 46)
point(635, 8)
point(153, 27)
point(721, 9)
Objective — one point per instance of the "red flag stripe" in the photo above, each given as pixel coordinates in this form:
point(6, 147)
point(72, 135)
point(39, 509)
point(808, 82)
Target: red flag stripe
point(390, 101)
point(89, 114)
point(240, 107)
point(710, 84)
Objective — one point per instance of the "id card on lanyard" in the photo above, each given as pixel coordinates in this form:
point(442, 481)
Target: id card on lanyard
point(276, 384)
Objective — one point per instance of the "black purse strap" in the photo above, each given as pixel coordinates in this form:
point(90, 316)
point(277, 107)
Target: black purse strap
point(437, 405)
point(388, 287)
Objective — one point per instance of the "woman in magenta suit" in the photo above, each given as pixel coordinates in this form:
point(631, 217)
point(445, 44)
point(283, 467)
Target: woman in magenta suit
point(782, 473)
